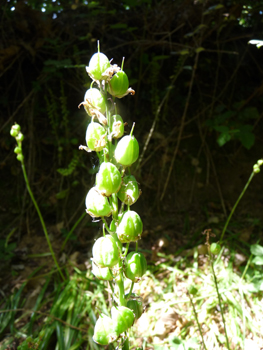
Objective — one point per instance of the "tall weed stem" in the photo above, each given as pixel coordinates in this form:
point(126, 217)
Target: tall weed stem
point(234, 207)
point(197, 321)
point(40, 218)
point(219, 298)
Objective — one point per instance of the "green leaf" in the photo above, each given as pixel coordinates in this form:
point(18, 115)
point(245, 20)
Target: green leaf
point(258, 260)
point(62, 194)
point(248, 113)
point(246, 137)
point(255, 286)
point(256, 249)
point(223, 138)
point(222, 128)
point(199, 49)
point(184, 52)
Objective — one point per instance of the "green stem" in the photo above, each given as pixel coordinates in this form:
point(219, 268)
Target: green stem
point(247, 266)
point(243, 316)
point(234, 207)
point(133, 125)
point(106, 225)
point(114, 204)
point(120, 287)
point(219, 298)
point(41, 218)
point(126, 250)
point(197, 321)
point(130, 291)
point(122, 63)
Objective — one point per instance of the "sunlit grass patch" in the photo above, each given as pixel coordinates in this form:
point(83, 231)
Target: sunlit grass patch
point(170, 321)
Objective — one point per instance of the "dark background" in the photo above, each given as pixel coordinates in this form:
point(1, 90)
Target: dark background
point(198, 83)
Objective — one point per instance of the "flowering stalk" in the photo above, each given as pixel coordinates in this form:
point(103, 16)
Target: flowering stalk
point(115, 191)
point(17, 134)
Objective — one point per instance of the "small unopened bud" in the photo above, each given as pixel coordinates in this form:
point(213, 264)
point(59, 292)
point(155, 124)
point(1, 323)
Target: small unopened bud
point(20, 157)
point(260, 162)
point(15, 130)
point(18, 150)
point(20, 137)
point(256, 169)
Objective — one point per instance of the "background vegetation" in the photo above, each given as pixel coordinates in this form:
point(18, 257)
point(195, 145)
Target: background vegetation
point(198, 114)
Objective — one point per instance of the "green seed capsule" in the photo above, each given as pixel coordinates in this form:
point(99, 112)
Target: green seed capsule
point(97, 205)
point(215, 248)
point(108, 179)
point(119, 84)
point(97, 65)
point(105, 252)
point(95, 137)
point(104, 332)
point(130, 227)
point(123, 318)
point(135, 266)
point(102, 273)
point(135, 304)
point(127, 151)
point(129, 191)
point(94, 99)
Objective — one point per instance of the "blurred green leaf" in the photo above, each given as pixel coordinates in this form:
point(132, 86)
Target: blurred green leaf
point(199, 49)
point(246, 137)
point(256, 249)
point(258, 260)
point(62, 194)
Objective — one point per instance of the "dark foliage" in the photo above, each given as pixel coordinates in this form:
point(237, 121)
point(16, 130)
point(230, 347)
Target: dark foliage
point(193, 72)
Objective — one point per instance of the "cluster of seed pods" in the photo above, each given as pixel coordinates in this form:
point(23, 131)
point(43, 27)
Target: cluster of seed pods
point(115, 191)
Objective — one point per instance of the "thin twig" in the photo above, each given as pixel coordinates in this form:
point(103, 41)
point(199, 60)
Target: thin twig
point(182, 126)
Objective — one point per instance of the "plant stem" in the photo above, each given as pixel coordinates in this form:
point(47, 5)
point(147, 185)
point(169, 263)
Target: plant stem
point(40, 218)
point(133, 125)
point(120, 287)
point(234, 207)
point(126, 250)
point(219, 298)
point(130, 291)
point(114, 204)
point(196, 318)
point(106, 225)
